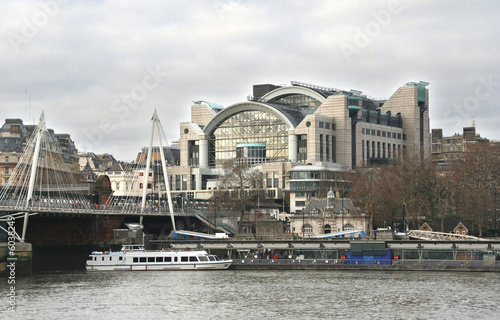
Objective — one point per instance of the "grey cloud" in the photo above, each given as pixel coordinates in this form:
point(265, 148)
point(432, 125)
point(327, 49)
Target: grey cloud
point(92, 53)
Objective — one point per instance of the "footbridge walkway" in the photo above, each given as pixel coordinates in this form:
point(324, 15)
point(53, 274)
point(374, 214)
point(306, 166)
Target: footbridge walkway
point(44, 181)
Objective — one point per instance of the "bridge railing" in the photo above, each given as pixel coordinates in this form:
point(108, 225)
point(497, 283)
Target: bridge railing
point(64, 206)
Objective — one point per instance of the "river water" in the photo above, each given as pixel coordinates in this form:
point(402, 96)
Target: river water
point(232, 294)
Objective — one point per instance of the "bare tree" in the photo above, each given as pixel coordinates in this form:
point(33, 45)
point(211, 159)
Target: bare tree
point(242, 182)
point(367, 188)
point(476, 178)
point(406, 181)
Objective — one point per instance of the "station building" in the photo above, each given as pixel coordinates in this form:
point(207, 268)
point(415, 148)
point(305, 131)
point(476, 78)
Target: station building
point(310, 128)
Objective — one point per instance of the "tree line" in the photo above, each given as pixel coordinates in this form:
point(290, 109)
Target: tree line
point(415, 191)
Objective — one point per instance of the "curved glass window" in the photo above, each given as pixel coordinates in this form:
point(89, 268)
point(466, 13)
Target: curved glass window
point(298, 100)
point(253, 136)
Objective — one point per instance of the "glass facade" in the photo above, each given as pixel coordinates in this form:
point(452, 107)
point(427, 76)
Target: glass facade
point(299, 100)
point(267, 132)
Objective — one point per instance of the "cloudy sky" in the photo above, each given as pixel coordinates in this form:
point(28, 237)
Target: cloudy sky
point(98, 69)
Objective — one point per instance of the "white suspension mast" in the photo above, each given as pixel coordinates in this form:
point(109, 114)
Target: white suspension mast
point(40, 128)
point(159, 129)
point(148, 165)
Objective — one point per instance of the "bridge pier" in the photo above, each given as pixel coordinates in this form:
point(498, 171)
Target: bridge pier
point(17, 264)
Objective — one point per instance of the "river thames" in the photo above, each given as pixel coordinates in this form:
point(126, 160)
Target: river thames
point(271, 294)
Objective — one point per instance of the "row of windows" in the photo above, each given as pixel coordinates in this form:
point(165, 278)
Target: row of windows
point(381, 133)
point(169, 259)
point(16, 141)
point(7, 159)
point(326, 125)
point(325, 144)
point(454, 149)
point(373, 149)
point(163, 259)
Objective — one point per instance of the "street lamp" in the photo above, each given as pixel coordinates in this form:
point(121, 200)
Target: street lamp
point(303, 223)
point(342, 212)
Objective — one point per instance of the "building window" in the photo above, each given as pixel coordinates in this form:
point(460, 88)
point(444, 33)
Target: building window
point(321, 124)
point(193, 153)
point(320, 147)
point(367, 152)
point(300, 203)
point(327, 125)
point(334, 146)
point(302, 148)
point(327, 143)
point(180, 182)
point(272, 180)
point(6, 170)
point(307, 228)
point(249, 127)
point(253, 153)
point(348, 227)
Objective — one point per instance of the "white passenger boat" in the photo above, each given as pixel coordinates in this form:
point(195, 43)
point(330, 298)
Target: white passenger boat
point(134, 257)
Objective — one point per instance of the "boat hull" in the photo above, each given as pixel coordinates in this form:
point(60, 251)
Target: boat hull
point(167, 267)
point(135, 258)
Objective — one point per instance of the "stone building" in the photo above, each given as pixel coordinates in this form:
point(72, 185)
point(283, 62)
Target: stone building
point(328, 215)
point(14, 136)
point(281, 127)
point(449, 148)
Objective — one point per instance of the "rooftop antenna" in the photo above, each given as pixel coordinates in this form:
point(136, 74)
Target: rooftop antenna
point(33, 119)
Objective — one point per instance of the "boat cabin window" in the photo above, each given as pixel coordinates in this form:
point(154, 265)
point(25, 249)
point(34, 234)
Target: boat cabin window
point(95, 258)
point(159, 259)
point(136, 259)
point(151, 259)
point(168, 259)
point(102, 258)
point(184, 259)
point(142, 259)
point(109, 258)
point(175, 259)
point(212, 258)
point(203, 258)
point(121, 258)
point(193, 259)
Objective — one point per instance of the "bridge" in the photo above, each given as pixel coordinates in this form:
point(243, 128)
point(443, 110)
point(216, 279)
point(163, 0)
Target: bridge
point(441, 236)
point(44, 182)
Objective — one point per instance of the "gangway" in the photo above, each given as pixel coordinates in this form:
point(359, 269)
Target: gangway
point(340, 234)
point(441, 236)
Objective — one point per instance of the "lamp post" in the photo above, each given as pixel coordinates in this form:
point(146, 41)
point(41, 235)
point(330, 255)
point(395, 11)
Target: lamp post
point(342, 212)
point(303, 223)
